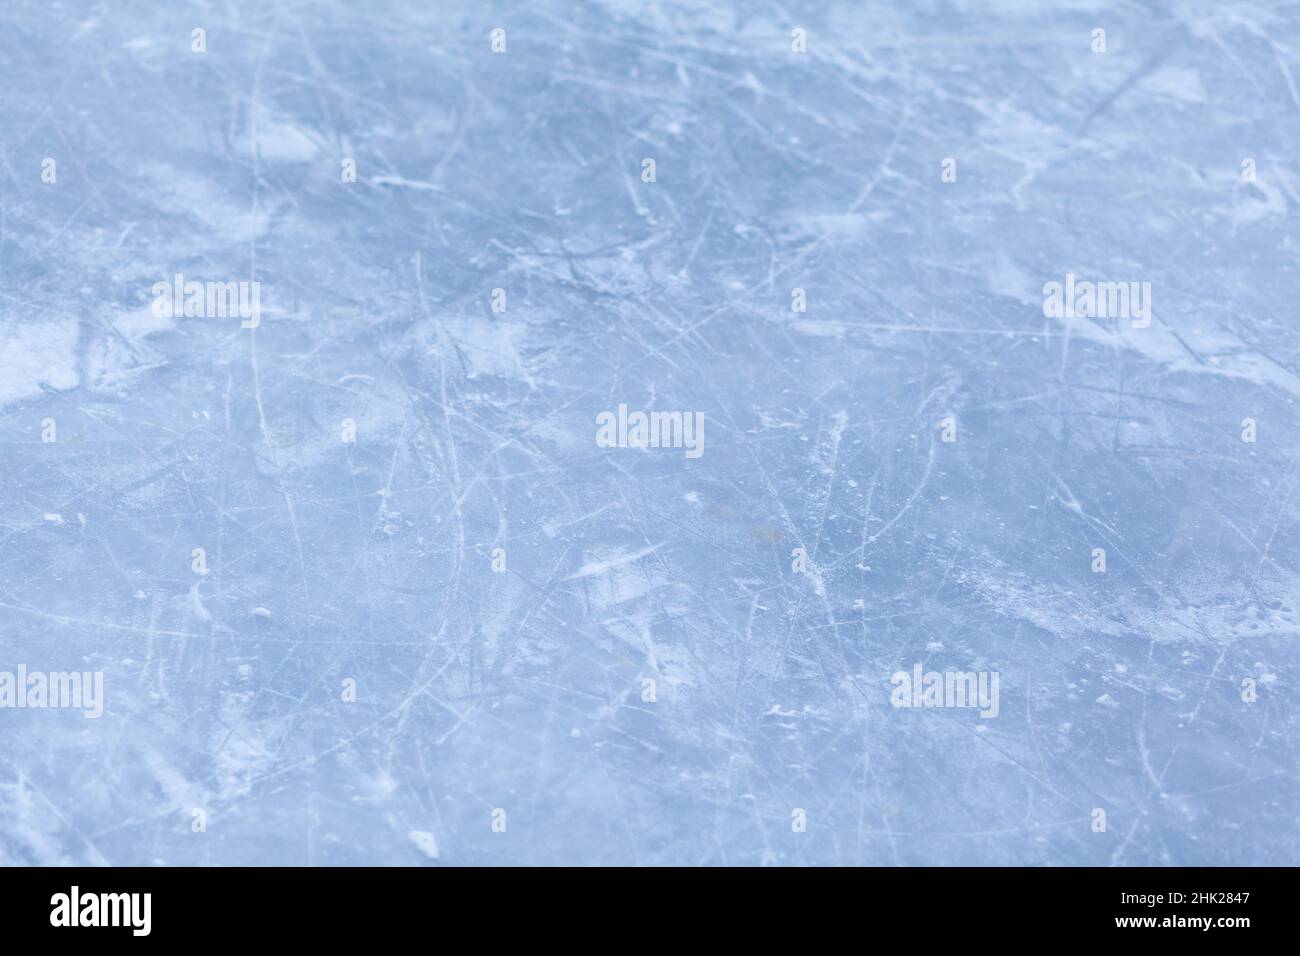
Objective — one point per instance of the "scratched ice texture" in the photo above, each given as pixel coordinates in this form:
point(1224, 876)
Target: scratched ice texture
point(523, 690)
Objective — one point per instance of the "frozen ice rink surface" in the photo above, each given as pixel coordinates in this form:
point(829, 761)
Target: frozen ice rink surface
point(657, 675)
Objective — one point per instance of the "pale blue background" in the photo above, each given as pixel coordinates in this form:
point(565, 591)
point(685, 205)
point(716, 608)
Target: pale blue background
point(522, 690)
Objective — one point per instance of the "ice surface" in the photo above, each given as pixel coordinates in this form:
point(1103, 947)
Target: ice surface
point(502, 717)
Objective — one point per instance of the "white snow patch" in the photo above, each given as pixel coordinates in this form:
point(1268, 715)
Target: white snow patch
point(134, 326)
point(425, 842)
point(617, 559)
point(35, 356)
point(281, 142)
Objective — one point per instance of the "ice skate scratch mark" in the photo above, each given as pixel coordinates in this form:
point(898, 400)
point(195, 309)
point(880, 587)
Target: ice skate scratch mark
point(24, 805)
point(916, 493)
point(797, 261)
point(401, 181)
point(1129, 83)
point(255, 112)
point(275, 459)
